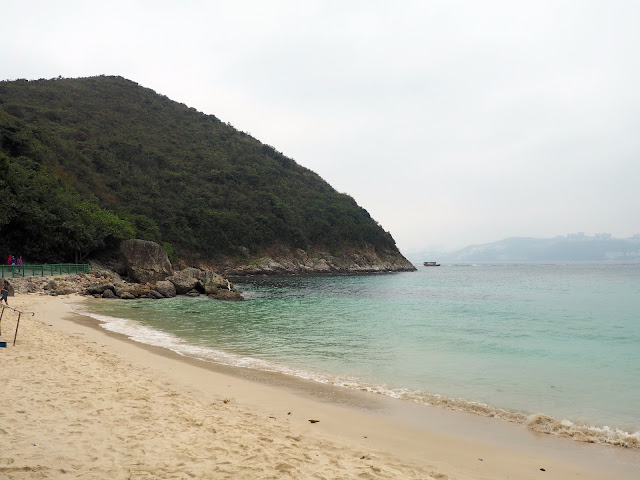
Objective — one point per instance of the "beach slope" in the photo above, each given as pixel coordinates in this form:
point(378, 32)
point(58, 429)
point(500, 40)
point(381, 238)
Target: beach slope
point(78, 403)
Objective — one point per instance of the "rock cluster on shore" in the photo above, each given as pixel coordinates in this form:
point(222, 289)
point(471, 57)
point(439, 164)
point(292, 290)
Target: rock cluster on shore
point(108, 284)
point(149, 274)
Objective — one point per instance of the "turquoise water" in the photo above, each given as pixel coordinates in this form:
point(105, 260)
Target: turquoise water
point(504, 340)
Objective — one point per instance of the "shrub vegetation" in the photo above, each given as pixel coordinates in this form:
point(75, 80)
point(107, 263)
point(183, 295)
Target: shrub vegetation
point(88, 162)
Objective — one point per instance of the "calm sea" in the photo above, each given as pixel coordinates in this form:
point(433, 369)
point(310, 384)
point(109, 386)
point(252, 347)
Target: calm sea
point(553, 346)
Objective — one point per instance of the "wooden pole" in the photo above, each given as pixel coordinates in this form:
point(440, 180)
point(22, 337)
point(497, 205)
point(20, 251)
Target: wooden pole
point(1, 313)
point(17, 325)
point(20, 312)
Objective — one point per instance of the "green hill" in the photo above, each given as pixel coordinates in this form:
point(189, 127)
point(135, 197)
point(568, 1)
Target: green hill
point(88, 162)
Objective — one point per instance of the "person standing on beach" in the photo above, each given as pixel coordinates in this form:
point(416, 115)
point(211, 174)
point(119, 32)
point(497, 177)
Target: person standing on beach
point(4, 292)
point(19, 262)
point(9, 259)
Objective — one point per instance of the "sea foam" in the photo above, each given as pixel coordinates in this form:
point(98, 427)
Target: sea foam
point(536, 422)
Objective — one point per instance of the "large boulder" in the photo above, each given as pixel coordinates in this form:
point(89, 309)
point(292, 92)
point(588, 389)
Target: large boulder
point(100, 288)
point(145, 261)
point(139, 291)
point(224, 294)
point(108, 294)
point(186, 280)
point(213, 282)
point(165, 288)
point(192, 281)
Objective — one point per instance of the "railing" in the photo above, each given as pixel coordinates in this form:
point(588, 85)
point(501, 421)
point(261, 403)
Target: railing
point(47, 269)
point(20, 312)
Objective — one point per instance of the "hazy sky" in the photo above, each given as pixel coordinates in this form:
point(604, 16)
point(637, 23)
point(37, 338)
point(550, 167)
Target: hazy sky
point(451, 122)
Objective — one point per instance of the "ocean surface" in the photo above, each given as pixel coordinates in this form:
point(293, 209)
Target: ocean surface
point(553, 346)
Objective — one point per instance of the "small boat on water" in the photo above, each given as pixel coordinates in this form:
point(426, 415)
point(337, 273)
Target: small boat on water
point(431, 264)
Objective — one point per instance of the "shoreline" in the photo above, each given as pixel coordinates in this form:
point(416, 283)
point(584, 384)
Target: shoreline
point(359, 435)
point(331, 387)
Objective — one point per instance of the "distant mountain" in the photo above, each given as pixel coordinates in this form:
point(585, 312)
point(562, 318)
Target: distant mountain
point(89, 162)
point(572, 248)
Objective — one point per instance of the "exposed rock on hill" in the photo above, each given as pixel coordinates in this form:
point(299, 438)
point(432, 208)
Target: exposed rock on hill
point(145, 261)
point(284, 260)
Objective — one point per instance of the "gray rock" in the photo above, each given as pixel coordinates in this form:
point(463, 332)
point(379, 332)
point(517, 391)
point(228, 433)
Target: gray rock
point(155, 295)
point(139, 291)
point(193, 293)
point(66, 291)
point(186, 280)
point(204, 281)
point(145, 261)
point(165, 288)
point(223, 294)
point(119, 289)
point(113, 271)
point(285, 260)
point(211, 282)
point(100, 288)
point(108, 294)
point(127, 296)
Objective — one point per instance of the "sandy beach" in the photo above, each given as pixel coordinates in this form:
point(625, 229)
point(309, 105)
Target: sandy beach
point(77, 402)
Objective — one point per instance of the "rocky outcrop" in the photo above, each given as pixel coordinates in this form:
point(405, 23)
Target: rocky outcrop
point(284, 260)
point(222, 294)
point(111, 285)
point(212, 282)
point(108, 294)
point(186, 280)
point(100, 288)
point(149, 272)
point(193, 280)
point(155, 294)
point(145, 261)
point(165, 288)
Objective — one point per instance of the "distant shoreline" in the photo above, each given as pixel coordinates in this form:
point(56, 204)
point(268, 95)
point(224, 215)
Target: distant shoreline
point(570, 248)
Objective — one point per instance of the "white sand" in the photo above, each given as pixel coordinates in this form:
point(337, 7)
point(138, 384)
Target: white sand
point(76, 402)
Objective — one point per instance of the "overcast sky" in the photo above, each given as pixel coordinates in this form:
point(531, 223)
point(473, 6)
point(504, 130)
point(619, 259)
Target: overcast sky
point(451, 122)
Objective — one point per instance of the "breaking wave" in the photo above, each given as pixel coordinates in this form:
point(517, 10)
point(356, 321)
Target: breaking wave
point(536, 422)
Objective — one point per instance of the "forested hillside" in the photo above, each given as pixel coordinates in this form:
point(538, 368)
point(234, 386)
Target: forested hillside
point(89, 162)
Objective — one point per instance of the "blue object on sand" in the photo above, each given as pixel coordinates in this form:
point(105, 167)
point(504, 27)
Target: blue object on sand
point(3, 344)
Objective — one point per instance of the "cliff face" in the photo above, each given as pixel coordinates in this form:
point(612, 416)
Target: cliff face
point(285, 260)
